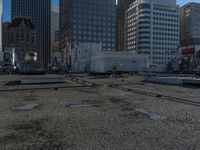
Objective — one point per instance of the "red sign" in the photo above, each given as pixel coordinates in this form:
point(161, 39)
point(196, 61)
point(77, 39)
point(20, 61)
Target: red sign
point(188, 51)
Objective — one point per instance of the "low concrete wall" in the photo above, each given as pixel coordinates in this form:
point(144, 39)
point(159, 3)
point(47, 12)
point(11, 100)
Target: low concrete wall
point(165, 80)
point(42, 80)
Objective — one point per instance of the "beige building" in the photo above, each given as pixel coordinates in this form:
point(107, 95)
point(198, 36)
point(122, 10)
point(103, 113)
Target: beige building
point(22, 37)
point(152, 28)
point(190, 24)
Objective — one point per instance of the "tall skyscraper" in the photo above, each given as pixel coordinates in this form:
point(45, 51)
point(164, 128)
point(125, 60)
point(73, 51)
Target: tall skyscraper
point(39, 12)
point(122, 6)
point(5, 34)
point(152, 28)
point(1, 58)
point(54, 24)
point(190, 24)
point(87, 21)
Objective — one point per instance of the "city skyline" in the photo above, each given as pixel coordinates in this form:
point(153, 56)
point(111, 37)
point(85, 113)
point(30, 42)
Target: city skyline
point(7, 7)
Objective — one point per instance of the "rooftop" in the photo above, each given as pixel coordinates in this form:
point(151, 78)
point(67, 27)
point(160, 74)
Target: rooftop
point(16, 22)
point(98, 112)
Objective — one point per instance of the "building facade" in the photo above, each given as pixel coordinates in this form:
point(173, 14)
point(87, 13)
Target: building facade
point(5, 34)
point(152, 27)
point(190, 24)
point(122, 6)
point(22, 37)
point(39, 12)
point(89, 57)
point(54, 32)
point(54, 24)
point(1, 11)
point(87, 21)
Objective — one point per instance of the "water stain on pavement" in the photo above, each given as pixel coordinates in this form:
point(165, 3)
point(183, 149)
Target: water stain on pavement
point(152, 116)
point(27, 106)
point(80, 104)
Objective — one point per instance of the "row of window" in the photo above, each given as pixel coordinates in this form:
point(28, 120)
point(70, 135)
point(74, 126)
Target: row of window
point(164, 48)
point(93, 11)
point(166, 19)
point(144, 22)
point(94, 33)
point(165, 34)
point(159, 63)
point(164, 53)
point(93, 39)
point(166, 15)
point(22, 39)
point(166, 24)
point(94, 22)
point(94, 17)
point(161, 58)
point(94, 30)
point(166, 44)
point(165, 39)
point(166, 29)
point(144, 47)
point(145, 6)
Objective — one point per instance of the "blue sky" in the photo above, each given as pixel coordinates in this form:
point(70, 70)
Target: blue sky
point(6, 6)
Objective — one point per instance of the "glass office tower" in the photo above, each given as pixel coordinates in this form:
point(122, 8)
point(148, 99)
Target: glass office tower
point(91, 21)
point(1, 31)
point(39, 12)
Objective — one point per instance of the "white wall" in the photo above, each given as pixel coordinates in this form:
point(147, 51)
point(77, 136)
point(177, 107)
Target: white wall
point(89, 57)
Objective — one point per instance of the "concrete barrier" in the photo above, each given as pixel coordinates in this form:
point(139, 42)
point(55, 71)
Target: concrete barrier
point(174, 80)
point(42, 80)
point(165, 80)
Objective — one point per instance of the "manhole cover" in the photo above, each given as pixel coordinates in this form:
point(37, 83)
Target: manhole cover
point(27, 107)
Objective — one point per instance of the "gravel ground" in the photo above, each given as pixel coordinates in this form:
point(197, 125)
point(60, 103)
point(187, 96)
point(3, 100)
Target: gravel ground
point(97, 118)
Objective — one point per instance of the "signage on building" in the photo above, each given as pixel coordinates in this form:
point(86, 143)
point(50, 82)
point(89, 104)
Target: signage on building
point(188, 51)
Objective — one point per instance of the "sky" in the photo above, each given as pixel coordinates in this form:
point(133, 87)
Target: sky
point(6, 6)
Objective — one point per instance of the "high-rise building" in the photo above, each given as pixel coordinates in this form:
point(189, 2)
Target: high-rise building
point(5, 34)
point(152, 27)
point(54, 24)
point(91, 21)
point(39, 12)
point(122, 6)
point(1, 3)
point(22, 37)
point(54, 32)
point(190, 24)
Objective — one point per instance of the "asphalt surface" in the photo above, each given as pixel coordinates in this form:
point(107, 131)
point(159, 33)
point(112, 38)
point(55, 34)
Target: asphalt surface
point(96, 113)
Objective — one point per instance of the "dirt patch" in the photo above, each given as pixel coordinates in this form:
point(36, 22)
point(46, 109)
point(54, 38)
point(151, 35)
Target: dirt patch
point(122, 104)
point(8, 138)
point(29, 128)
point(33, 135)
point(115, 100)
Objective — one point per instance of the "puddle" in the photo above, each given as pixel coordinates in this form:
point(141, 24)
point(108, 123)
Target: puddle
point(152, 116)
point(27, 107)
point(79, 104)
